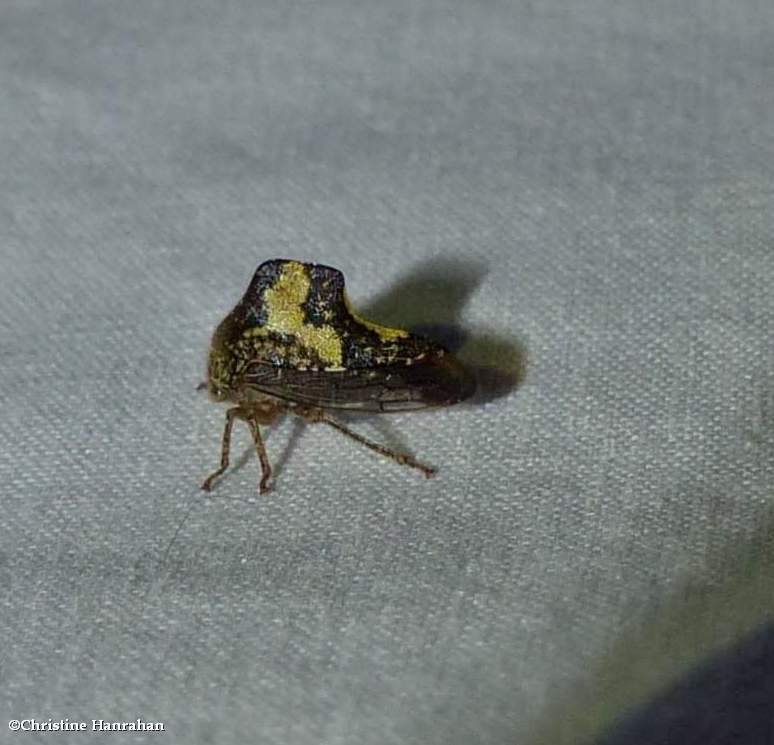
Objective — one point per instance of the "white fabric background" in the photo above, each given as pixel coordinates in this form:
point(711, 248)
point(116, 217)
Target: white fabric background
point(585, 188)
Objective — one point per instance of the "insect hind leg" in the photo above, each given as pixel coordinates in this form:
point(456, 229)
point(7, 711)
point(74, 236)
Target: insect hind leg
point(403, 458)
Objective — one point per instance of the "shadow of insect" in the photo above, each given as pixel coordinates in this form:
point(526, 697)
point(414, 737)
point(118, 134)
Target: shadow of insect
point(429, 300)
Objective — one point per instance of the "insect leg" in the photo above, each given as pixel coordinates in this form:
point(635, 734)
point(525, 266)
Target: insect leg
point(261, 450)
point(402, 458)
point(231, 414)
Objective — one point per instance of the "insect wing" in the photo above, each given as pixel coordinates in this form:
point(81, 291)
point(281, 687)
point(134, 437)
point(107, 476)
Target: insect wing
point(382, 388)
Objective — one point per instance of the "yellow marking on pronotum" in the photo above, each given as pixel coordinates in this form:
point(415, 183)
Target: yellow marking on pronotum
point(285, 315)
point(385, 332)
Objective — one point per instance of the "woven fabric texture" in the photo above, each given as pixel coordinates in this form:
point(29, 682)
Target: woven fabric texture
point(577, 195)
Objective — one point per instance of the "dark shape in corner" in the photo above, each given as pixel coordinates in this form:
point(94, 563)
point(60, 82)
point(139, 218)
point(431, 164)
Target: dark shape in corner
point(727, 701)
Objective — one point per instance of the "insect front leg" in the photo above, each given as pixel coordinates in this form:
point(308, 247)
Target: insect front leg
point(317, 415)
point(231, 414)
point(260, 448)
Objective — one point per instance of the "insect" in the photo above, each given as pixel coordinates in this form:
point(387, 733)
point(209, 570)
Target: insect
point(294, 344)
